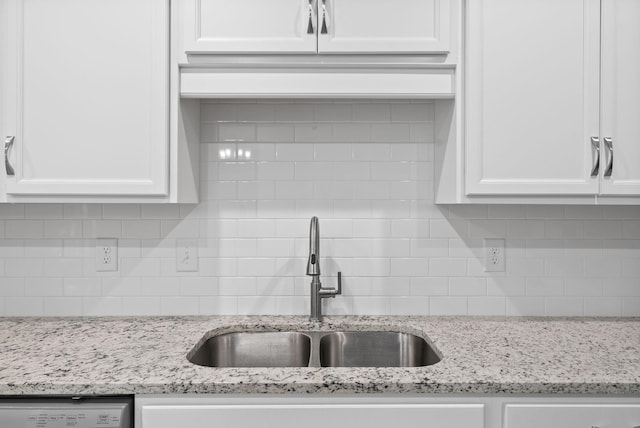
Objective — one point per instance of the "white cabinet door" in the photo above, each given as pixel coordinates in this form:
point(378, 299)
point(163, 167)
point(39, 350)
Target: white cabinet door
point(532, 96)
point(314, 415)
point(86, 96)
point(310, 26)
point(571, 416)
point(621, 97)
point(383, 26)
point(248, 26)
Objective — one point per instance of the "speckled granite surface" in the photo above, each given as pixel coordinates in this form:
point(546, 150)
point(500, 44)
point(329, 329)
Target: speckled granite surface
point(481, 355)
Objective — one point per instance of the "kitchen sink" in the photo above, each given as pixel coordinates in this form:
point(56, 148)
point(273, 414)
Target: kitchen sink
point(375, 349)
point(254, 349)
point(314, 349)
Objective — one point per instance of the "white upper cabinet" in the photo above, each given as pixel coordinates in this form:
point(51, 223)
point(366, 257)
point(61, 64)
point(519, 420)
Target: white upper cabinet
point(248, 26)
point(620, 103)
point(552, 98)
point(315, 26)
point(383, 26)
point(85, 92)
point(532, 97)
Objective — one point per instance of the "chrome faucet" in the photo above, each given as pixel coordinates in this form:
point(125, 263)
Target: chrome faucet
point(318, 292)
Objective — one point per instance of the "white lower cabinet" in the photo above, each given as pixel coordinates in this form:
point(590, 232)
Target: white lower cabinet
point(572, 415)
point(384, 411)
point(345, 412)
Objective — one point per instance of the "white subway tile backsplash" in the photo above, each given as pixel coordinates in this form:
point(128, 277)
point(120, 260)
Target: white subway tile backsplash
point(121, 211)
point(531, 229)
point(102, 306)
point(102, 229)
point(145, 306)
point(487, 306)
point(544, 287)
point(564, 229)
point(409, 305)
point(631, 307)
point(566, 306)
point(23, 267)
point(43, 211)
point(564, 266)
point(631, 212)
point(23, 306)
point(62, 306)
point(467, 287)
point(442, 228)
point(352, 133)
point(82, 287)
point(447, 267)
point(24, 229)
point(80, 248)
point(526, 306)
point(448, 306)
point(256, 305)
point(579, 212)
point(583, 287)
point(366, 169)
point(602, 306)
point(631, 268)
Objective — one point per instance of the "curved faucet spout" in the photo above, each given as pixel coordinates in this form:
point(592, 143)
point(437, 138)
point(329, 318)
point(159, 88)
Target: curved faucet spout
point(313, 264)
point(318, 292)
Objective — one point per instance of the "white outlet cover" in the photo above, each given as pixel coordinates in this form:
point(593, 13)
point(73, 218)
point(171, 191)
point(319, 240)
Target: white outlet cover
point(186, 255)
point(106, 259)
point(494, 255)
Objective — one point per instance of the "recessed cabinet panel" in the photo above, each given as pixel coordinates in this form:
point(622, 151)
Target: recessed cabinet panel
point(570, 416)
point(88, 97)
point(621, 97)
point(314, 415)
point(249, 26)
point(532, 104)
point(399, 26)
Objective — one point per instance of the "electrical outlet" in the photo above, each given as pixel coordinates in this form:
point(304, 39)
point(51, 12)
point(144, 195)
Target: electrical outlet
point(494, 255)
point(186, 255)
point(106, 255)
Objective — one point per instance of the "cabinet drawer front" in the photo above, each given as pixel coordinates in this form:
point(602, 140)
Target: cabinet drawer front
point(247, 26)
point(314, 416)
point(571, 416)
point(384, 26)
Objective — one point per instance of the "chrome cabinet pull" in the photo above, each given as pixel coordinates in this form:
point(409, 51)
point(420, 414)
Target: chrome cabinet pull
point(608, 142)
point(8, 142)
point(323, 30)
point(310, 24)
point(595, 142)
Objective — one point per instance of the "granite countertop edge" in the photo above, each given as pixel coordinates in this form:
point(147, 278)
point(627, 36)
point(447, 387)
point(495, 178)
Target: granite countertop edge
point(481, 355)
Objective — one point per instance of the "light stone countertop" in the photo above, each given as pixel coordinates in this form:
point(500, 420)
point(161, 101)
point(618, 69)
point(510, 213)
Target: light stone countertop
point(147, 355)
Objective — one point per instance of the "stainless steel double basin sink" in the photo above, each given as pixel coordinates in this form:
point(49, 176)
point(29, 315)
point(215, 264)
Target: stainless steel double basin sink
point(314, 349)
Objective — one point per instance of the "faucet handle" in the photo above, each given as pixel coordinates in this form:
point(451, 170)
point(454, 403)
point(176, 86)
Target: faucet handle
point(331, 292)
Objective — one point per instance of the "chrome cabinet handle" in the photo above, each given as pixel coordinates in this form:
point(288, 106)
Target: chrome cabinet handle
point(8, 142)
point(310, 24)
point(323, 30)
point(595, 142)
point(608, 142)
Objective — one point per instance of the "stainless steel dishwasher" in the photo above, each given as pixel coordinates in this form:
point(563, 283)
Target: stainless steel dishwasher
point(66, 412)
